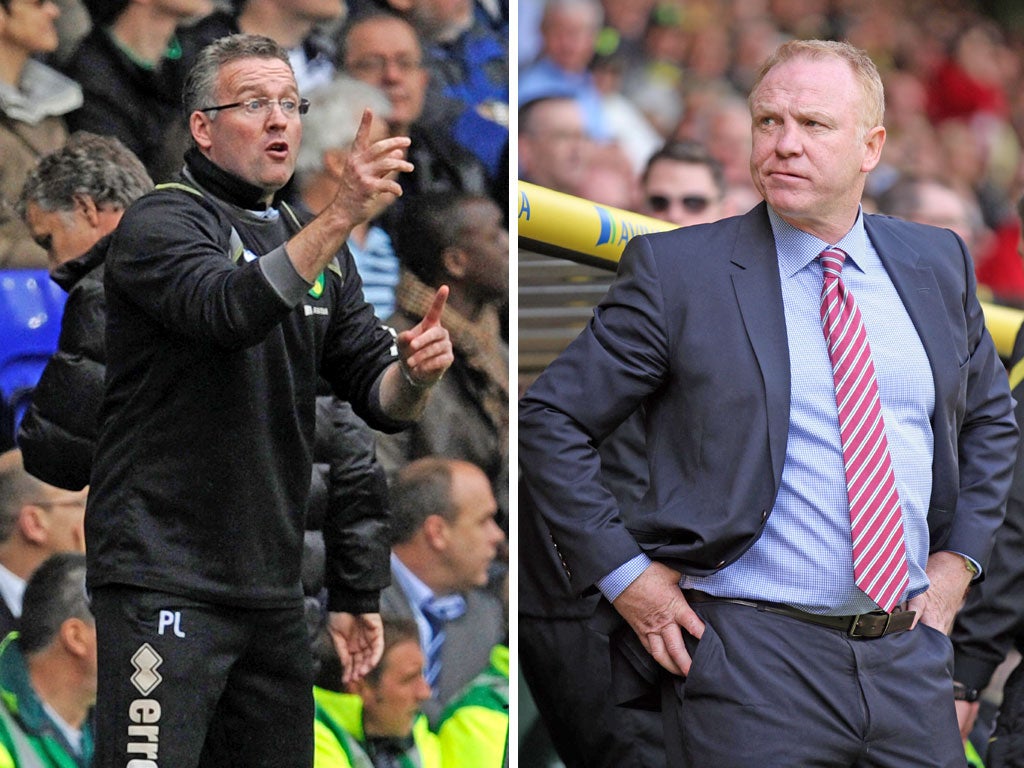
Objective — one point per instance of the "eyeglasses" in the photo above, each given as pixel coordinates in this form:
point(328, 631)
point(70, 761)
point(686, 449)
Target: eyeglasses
point(262, 106)
point(692, 203)
point(374, 66)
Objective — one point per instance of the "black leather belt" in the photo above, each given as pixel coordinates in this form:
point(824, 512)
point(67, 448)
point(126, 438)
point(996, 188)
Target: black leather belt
point(863, 625)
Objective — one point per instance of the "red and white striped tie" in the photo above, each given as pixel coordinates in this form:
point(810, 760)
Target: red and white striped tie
point(876, 520)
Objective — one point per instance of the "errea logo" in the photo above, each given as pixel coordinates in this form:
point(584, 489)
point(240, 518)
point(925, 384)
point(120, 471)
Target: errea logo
point(146, 661)
point(143, 745)
point(309, 310)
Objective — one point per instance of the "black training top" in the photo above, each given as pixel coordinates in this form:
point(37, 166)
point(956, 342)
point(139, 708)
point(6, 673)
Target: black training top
point(202, 466)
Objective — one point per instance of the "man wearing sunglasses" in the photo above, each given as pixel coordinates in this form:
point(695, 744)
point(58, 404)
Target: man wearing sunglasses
point(224, 308)
point(682, 183)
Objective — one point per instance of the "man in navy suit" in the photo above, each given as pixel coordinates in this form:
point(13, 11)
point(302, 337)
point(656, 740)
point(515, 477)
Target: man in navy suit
point(736, 576)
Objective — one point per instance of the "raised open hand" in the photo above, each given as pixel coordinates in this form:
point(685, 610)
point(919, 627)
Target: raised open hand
point(368, 182)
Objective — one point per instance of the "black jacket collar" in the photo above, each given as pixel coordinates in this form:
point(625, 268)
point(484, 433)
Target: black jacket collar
point(70, 272)
point(225, 185)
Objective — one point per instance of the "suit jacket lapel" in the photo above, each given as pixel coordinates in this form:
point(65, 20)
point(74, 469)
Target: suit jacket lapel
point(915, 283)
point(758, 291)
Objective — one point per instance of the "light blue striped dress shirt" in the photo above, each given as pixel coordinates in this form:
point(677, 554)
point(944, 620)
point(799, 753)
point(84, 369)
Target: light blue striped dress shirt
point(417, 593)
point(804, 556)
point(378, 269)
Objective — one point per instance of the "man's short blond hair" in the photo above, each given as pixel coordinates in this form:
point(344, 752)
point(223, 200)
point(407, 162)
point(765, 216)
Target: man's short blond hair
point(863, 68)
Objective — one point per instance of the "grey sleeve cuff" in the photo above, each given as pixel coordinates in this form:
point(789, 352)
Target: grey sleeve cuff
point(277, 268)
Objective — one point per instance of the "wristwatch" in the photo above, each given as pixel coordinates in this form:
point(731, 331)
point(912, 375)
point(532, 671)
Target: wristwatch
point(962, 693)
point(970, 566)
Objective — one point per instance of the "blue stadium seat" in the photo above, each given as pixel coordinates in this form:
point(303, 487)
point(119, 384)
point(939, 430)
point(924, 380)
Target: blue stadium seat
point(31, 306)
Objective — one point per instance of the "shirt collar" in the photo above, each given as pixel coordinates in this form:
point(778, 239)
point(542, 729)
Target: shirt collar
point(411, 585)
point(797, 249)
point(12, 588)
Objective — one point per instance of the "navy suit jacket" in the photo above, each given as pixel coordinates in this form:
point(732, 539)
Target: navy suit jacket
point(694, 329)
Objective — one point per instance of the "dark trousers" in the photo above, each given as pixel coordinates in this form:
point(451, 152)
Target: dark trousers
point(775, 692)
point(188, 684)
point(566, 665)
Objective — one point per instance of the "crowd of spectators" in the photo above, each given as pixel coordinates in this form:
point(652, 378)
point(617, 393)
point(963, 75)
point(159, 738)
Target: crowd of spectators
point(87, 81)
point(647, 72)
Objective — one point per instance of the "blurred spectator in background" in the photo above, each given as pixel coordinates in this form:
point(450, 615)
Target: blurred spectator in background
point(657, 80)
point(529, 42)
point(608, 179)
point(375, 722)
point(384, 50)
point(300, 26)
point(36, 521)
point(458, 240)
point(911, 145)
point(48, 672)
point(625, 24)
point(453, 148)
point(634, 135)
point(968, 162)
point(131, 67)
point(72, 200)
point(724, 128)
point(72, 25)
point(569, 30)
point(553, 145)
point(34, 102)
point(929, 201)
point(468, 60)
point(971, 81)
point(445, 540)
point(755, 37)
point(684, 184)
point(328, 131)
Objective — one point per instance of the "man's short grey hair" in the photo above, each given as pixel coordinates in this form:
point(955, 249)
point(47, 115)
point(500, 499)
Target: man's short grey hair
point(335, 110)
point(98, 167)
point(55, 593)
point(200, 89)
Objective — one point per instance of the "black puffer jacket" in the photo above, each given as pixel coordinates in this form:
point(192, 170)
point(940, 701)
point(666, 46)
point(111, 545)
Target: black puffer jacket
point(348, 511)
point(57, 437)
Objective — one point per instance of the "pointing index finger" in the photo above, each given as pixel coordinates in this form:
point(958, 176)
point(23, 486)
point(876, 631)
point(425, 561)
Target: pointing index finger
point(362, 139)
point(433, 316)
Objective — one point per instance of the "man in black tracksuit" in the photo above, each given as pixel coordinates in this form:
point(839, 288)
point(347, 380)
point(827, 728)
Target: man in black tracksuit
point(224, 306)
